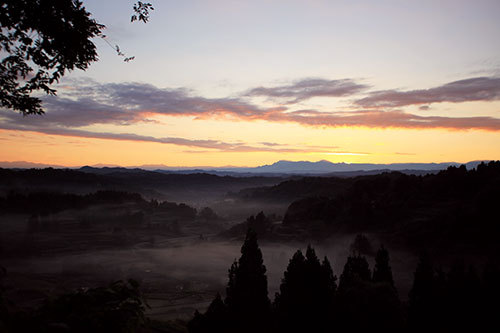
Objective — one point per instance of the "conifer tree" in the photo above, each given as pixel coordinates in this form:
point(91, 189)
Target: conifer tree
point(246, 307)
point(247, 302)
point(382, 271)
point(361, 304)
point(306, 294)
point(422, 314)
point(490, 294)
point(355, 270)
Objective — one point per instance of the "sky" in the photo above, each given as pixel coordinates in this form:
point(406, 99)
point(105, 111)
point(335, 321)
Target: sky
point(248, 83)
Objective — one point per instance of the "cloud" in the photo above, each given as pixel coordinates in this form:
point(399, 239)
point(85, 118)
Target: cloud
point(87, 103)
point(127, 103)
point(387, 119)
point(473, 89)
point(213, 145)
point(309, 88)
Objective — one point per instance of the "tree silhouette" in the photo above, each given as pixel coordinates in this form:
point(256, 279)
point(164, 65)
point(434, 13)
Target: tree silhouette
point(361, 245)
point(306, 294)
point(490, 294)
point(382, 271)
point(362, 304)
point(423, 297)
point(214, 320)
point(42, 40)
point(355, 270)
point(260, 223)
point(119, 307)
point(247, 301)
point(3, 303)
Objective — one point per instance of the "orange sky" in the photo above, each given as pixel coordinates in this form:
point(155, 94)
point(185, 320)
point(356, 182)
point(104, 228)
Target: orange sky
point(250, 83)
point(344, 144)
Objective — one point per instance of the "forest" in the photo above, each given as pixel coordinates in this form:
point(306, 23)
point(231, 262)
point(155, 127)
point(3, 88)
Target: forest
point(399, 253)
point(310, 298)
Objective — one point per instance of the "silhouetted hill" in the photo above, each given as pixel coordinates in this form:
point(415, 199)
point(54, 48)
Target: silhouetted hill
point(454, 208)
point(297, 188)
point(178, 187)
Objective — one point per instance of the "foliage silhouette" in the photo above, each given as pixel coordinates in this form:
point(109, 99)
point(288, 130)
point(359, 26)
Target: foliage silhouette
point(246, 293)
point(119, 307)
point(42, 40)
point(141, 10)
point(4, 314)
point(424, 296)
point(215, 319)
point(363, 304)
point(383, 271)
point(246, 307)
point(260, 224)
point(361, 245)
point(307, 289)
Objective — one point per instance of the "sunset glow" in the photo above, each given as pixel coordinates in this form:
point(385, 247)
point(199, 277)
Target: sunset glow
point(237, 84)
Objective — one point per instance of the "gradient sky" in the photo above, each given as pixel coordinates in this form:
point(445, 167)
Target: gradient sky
point(246, 83)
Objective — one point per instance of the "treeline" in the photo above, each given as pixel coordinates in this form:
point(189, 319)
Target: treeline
point(135, 180)
point(454, 207)
point(312, 299)
point(47, 203)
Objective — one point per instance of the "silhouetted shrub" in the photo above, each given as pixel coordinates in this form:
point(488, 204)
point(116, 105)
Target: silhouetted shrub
point(118, 307)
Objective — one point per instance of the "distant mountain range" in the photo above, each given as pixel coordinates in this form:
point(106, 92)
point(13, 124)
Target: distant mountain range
point(278, 168)
point(306, 167)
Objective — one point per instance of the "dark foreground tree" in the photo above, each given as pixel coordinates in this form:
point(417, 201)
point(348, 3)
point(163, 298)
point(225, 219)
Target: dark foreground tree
point(382, 271)
point(41, 41)
point(246, 294)
point(304, 303)
point(3, 303)
point(456, 301)
point(246, 307)
point(490, 294)
point(118, 307)
point(423, 298)
point(215, 319)
point(363, 305)
point(361, 246)
point(356, 270)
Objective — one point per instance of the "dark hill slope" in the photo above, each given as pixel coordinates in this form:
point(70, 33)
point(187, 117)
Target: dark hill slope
point(455, 207)
point(148, 183)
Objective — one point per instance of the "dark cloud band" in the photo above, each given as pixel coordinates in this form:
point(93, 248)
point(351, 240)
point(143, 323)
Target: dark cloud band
point(473, 89)
point(309, 88)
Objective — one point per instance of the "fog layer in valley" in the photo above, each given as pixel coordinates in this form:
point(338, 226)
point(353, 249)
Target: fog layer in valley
point(176, 279)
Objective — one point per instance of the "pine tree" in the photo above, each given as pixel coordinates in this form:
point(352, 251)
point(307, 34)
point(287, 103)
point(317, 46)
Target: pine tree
point(246, 307)
point(490, 294)
point(382, 271)
point(355, 270)
point(306, 294)
point(362, 304)
point(423, 296)
point(246, 300)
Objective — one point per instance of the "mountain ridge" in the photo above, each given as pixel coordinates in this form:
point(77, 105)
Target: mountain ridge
point(279, 167)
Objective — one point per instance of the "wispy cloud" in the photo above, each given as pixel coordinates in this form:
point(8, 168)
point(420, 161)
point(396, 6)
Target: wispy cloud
point(309, 88)
point(387, 119)
point(211, 145)
point(473, 89)
point(128, 103)
point(123, 104)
